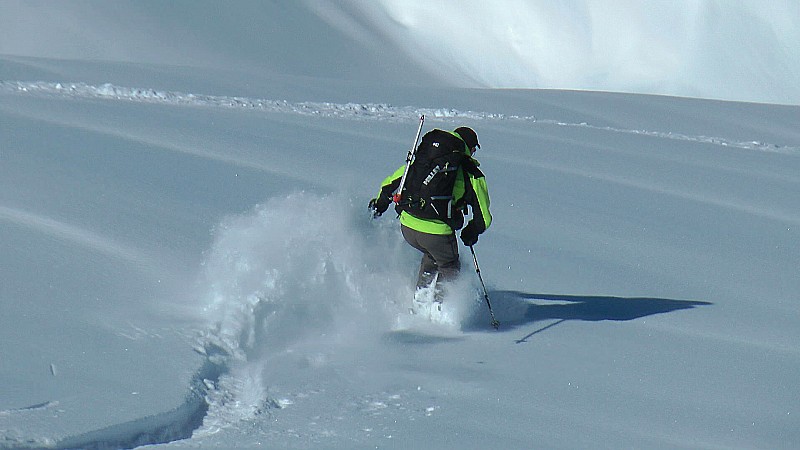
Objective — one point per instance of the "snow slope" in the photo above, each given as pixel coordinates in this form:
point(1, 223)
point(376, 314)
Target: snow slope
point(734, 49)
point(187, 260)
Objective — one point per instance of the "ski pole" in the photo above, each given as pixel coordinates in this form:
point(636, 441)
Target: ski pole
point(495, 323)
point(399, 192)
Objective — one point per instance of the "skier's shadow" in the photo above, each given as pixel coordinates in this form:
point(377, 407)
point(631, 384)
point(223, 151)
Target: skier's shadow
point(516, 309)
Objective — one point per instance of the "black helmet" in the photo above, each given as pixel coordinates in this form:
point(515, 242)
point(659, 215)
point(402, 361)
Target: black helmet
point(468, 136)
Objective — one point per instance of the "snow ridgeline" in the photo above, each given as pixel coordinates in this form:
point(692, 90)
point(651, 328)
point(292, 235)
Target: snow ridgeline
point(352, 111)
point(375, 111)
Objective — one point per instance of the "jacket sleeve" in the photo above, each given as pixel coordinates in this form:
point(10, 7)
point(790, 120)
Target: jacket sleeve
point(389, 185)
point(481, 216)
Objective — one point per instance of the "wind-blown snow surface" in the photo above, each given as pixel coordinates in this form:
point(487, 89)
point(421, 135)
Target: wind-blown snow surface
point(186, 261)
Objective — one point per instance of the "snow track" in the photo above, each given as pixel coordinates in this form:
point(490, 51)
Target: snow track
point(351, 111)
point(168, 426)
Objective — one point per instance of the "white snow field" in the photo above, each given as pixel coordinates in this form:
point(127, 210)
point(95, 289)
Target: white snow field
point(187, 261)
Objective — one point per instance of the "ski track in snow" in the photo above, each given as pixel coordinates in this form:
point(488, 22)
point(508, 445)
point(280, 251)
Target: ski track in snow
point(351, 111)
point(76, 235)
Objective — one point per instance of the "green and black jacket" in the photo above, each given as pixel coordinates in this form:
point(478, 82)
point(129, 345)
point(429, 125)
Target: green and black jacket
point(469, 190)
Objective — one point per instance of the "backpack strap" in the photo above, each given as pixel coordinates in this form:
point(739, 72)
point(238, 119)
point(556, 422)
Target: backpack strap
point(471, 166)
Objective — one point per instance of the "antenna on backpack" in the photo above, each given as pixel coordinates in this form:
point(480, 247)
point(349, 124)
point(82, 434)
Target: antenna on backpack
point(397, 197)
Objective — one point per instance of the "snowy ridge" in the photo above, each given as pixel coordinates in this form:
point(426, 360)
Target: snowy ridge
point(679, 47)
point(375, 111)
point(351, 111)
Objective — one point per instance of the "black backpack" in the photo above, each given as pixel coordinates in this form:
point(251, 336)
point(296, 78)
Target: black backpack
point(428, 189)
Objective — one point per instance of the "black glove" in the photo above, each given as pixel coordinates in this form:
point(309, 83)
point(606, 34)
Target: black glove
point(469, 235)
point(379, 205)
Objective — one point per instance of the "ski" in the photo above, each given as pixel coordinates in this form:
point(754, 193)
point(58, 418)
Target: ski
point(397, 196)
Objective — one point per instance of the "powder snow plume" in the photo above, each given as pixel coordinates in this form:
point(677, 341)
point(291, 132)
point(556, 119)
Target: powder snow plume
point(306, 275)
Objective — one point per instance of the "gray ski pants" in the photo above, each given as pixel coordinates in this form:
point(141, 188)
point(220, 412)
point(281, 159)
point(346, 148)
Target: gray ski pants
point(439, 255)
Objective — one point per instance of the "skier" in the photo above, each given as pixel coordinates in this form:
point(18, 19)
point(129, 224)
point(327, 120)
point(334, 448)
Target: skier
point(443, 162)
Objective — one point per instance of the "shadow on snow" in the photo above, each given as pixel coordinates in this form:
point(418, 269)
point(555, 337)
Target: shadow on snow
point(515, 309)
